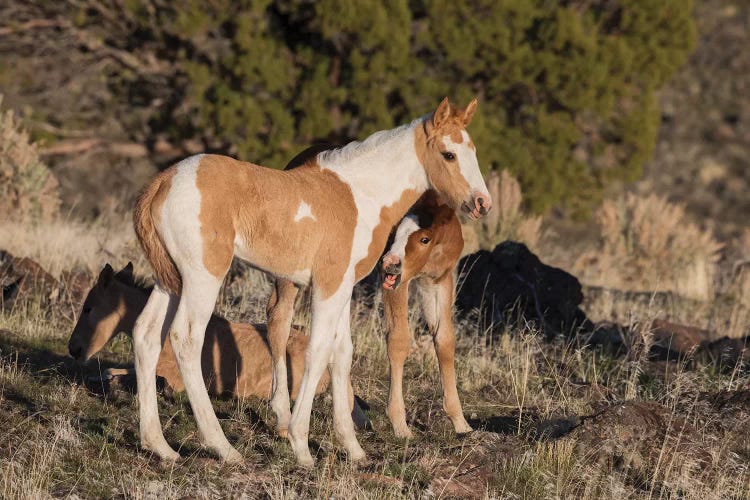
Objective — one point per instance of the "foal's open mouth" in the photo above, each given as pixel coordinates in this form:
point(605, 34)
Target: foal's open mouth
point(391, 281)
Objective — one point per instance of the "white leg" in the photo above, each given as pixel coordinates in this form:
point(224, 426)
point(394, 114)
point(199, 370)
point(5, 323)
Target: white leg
point(325, 318)
point(340, 367)
point(199, 291)
point(148, 335)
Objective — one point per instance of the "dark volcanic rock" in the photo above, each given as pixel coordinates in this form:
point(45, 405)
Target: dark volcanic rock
point(22, 278)
point(640, 437)
point(510, 284)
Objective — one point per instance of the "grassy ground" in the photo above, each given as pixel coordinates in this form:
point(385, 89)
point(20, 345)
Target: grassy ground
point(552, 421)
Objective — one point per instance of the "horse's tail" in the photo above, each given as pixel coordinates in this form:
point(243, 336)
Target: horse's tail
point(143, 219)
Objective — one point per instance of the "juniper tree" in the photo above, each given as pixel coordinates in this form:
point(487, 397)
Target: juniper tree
point(567, 88)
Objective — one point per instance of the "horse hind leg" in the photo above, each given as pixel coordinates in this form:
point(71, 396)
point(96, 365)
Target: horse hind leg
point(199, 291)
point(325, 319)
point(280, 316)
point(437, 304)
point(148, 336)
point(340, 368)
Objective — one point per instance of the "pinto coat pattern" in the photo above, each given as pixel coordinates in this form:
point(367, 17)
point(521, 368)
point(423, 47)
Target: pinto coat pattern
point(193, 218)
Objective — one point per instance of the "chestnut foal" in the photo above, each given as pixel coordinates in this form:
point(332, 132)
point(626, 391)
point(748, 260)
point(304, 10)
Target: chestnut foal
point(325, 223)
point(235, 359)
point(425, 250)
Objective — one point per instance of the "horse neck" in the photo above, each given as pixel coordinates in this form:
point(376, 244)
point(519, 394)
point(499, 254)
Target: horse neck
point(381, 170)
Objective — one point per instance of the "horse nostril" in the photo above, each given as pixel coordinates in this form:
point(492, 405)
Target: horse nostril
point(75, 352)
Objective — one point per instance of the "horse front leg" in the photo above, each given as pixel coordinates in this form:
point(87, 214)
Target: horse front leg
point(280, 315)
point(343, 396)
point(396, 305)
point(326, 313)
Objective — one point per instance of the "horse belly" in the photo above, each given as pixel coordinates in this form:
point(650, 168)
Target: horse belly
point(278, 256)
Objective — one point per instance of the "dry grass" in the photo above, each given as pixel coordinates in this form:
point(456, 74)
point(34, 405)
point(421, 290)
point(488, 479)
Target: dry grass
point(647, 243)
point(70, 244)
point(506, 220)
point(61, 437)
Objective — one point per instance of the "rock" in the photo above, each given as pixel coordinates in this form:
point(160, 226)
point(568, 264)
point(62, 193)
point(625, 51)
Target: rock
point(673, 338)
point(23, 278)
point(640, 437)
point(724, 415)
point(729, 352)
point(510, 285)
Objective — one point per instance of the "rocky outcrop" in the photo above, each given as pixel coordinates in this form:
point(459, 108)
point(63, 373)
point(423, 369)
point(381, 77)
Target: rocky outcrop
point(511, 285)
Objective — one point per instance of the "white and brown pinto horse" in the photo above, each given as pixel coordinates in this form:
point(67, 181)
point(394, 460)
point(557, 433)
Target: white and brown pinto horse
point(324, 224)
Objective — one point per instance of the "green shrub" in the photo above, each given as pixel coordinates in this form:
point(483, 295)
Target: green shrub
point(28, 190)
point(566, 87)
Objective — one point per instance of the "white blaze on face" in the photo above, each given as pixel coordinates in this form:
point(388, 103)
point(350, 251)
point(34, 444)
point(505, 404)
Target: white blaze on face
point(406, 228)
point(303, 211)
point(466, 157)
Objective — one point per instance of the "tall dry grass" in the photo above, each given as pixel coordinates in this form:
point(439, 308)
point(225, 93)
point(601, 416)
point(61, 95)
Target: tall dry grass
point(506, 220)
point(65, 243)
point(648, 243)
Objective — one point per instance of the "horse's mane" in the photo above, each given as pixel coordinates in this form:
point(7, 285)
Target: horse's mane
point(354, 149)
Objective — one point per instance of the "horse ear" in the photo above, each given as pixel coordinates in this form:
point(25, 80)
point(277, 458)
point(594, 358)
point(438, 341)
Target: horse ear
point(126, 273)
point(442, 113)
point(469, 112)
point(105, 276)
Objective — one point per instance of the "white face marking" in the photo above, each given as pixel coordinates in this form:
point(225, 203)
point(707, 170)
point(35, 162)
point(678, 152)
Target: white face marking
point(467, 162)
point(406, 228)
point(303, 211)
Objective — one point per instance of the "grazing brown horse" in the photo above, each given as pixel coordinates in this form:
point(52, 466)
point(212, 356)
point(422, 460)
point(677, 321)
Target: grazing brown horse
point(424, 253)
point(323, 224)
point(235, 359)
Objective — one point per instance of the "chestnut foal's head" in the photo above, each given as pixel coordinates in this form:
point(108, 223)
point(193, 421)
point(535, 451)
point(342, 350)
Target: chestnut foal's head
point(426, 243)
point(102, 313)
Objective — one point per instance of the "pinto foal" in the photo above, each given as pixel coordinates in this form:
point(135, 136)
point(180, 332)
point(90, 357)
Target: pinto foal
point(325, 223)
point(426, 247)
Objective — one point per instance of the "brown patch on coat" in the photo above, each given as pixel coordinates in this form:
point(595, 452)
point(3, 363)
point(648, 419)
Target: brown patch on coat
point(389, 217)
point(259, 205)
point(145, 217)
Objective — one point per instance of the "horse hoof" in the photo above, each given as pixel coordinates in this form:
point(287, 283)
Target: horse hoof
point(306, 462)
point(233, 457)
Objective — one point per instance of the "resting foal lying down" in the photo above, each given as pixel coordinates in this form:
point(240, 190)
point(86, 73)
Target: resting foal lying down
point(236, 358)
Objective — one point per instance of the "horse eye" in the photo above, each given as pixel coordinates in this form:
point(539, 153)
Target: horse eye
point(449, 156)
point(424, 241)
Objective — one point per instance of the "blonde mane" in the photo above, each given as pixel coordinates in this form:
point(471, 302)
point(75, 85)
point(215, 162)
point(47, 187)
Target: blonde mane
point(355, 149)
